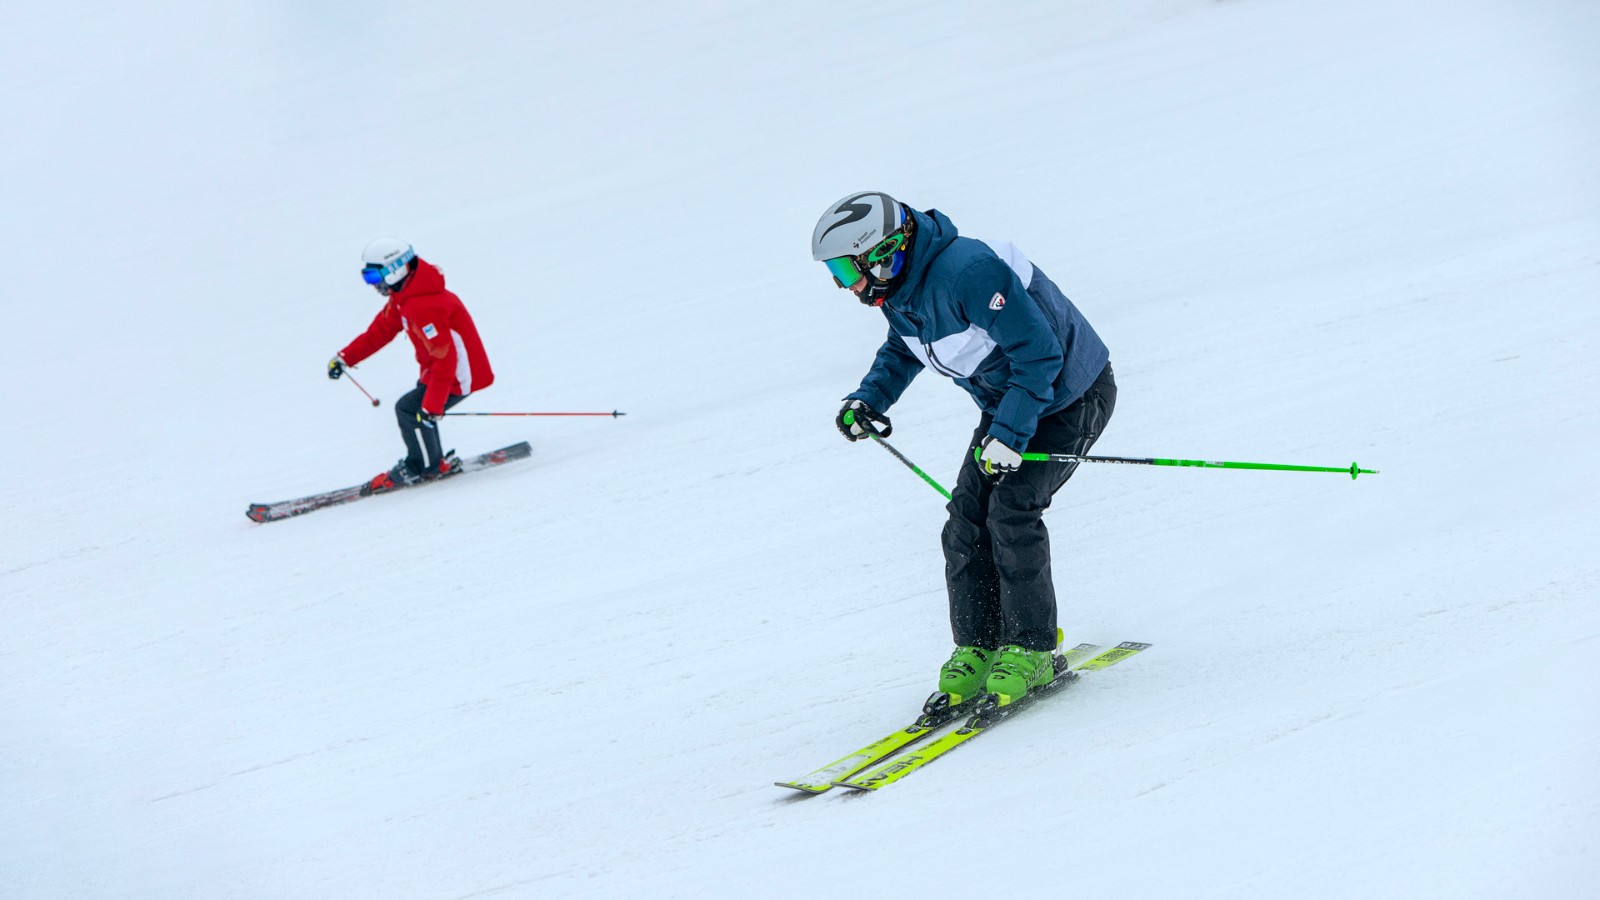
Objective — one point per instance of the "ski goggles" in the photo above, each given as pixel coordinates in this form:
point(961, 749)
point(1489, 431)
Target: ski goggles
point(847, 270)
point(375, 273)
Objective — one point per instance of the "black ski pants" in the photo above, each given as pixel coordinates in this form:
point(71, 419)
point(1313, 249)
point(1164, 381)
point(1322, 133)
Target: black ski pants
point(996, 548)
point(421, 436)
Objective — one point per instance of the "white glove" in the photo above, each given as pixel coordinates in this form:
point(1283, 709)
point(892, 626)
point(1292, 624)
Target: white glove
point(997, 458)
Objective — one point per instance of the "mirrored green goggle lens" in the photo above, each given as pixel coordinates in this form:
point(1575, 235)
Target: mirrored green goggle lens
point(843, 269)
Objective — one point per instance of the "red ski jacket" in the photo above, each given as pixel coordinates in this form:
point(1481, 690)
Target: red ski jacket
point(448, 349)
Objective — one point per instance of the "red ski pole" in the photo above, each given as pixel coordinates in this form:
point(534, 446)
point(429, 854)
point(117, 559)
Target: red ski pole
point(359, 387)
point(613, 414)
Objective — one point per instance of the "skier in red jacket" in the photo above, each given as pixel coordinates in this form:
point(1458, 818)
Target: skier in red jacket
point(448, 350)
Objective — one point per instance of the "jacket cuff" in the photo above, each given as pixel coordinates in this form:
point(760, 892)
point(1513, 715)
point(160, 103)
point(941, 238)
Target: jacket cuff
point(1008, 437)
point(870, 397)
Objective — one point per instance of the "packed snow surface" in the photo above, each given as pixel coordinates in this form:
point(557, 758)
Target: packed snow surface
point(1310, 232)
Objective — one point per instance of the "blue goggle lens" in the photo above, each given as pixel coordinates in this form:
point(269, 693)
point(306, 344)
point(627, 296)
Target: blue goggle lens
point(374, 273)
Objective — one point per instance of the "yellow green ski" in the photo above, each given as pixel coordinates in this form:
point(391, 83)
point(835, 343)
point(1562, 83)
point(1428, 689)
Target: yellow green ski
point(987, 714)
point(936, 714)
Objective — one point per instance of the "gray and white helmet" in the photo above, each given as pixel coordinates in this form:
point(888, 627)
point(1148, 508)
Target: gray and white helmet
point(863, 235)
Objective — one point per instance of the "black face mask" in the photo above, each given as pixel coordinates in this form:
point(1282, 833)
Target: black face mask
point(876, 292)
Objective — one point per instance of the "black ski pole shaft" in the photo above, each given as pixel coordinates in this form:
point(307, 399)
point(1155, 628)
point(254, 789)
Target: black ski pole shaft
point(1352, 470)
point(850, 419)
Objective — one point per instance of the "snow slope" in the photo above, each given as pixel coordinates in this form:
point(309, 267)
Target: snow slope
point(1310, 232)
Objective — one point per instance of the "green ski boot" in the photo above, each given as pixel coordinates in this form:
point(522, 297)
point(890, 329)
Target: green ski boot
point(1018, 670)
point(963, 676)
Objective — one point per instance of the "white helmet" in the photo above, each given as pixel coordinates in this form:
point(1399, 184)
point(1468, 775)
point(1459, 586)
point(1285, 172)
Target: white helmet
point(863, 235)
point(387, 262)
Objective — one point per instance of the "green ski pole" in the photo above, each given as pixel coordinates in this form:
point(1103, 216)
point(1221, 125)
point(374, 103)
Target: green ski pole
point(1353, 470)
point(850, 419)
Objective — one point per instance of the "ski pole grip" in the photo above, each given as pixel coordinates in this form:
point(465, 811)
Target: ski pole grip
point(850, 419)
point(866, 424)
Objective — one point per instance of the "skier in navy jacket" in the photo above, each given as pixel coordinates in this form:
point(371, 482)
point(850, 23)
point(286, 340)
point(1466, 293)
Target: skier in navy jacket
point(981, 314)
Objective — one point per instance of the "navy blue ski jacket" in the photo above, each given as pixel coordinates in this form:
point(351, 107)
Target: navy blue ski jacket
point(982, 314)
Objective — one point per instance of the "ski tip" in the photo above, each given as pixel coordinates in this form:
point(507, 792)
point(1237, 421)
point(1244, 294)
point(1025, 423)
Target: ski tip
point(519, 450)
point(257, 513)
point(809, 790)
point(1111, 657)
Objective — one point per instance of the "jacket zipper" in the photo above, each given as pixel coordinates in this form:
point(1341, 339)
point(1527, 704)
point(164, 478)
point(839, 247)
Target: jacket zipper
point(933, 358)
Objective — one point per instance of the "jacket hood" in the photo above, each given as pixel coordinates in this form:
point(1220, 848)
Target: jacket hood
point(935, 232)
point(427, 279)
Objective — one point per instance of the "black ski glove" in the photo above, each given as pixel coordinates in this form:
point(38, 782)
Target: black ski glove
point(335, 367)
point(861, 414)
